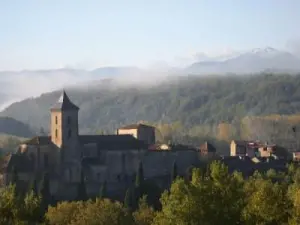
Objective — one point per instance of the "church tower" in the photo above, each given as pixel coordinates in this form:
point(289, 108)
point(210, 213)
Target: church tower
point(64, 126)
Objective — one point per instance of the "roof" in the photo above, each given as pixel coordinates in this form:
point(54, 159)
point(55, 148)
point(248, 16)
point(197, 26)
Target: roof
point(64, 103)
point(113, 142)
point(38, 140)
point(135, 126)
point(240, 142)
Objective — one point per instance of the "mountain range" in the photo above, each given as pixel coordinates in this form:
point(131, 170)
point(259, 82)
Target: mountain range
point(254, 61)
point(20, 85)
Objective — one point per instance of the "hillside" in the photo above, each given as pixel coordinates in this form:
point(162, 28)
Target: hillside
point(192, 100)
point(9, 143)
point(11, 126)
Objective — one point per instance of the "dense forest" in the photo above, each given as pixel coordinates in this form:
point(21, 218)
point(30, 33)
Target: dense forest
point(186, 109)
point(209, 195)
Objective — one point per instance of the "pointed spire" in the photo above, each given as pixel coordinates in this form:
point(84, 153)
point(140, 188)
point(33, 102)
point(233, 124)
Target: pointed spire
point(64, 103)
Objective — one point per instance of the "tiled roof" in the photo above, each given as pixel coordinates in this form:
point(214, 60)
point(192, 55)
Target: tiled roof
point(64, 103)
point(135, 126)
point(113, 142)
point(39, 140)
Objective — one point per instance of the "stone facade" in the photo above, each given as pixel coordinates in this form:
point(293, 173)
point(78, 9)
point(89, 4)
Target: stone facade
point(139, 131)
point(103, 158)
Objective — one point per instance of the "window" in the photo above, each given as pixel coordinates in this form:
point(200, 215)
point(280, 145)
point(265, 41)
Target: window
point(69, 120)
point(69, 133)
point(56, 120)
point(56, 133)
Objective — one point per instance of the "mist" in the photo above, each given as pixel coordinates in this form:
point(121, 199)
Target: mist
point(17, 86)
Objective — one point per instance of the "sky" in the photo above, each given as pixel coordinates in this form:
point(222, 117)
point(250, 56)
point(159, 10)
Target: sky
point(86, 34)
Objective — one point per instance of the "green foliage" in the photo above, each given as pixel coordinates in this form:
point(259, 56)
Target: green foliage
point(14, 176)
point(64, 212)
point(81, 189)
point(199, 103)
point(174, 172)
point(33, 186)
point(102, 211)
point(139, 176)
point(129, 199)
point(15, 210)
point(45, 191)
point(211, 196)
point(145, 214)
point(103, 190)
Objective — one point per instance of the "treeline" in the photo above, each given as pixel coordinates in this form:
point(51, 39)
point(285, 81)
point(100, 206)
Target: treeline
point(210, 195)
point(193, 100)
point(282, 130)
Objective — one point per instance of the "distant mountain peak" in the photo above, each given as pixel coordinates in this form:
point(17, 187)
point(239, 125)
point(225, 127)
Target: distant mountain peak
point(264, 50)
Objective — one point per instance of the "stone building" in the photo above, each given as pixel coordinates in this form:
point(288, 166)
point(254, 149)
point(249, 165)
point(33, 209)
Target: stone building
point(110, 158)
point(141, 132)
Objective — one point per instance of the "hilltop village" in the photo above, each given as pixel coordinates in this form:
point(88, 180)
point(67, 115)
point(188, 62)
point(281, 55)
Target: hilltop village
point(114, 159)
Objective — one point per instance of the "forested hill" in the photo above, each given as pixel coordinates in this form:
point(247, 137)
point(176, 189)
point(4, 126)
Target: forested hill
point(191, 100)
point(13, 127)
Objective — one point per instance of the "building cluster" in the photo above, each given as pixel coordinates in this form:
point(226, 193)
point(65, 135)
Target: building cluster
point(114, 159)
point(65, 155)
point(257, 149)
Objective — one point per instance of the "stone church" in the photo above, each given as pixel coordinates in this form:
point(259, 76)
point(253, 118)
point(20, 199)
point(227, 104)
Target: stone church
point(103, 158)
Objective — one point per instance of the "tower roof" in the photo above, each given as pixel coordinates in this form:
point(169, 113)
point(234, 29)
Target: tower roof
point(64, 103)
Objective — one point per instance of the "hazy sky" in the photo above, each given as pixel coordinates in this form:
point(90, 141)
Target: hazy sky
point(36, 34)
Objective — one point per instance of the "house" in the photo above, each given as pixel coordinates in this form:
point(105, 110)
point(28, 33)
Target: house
point(140, 131)
point(238, 148)
point(296, 156)
point(207, 149)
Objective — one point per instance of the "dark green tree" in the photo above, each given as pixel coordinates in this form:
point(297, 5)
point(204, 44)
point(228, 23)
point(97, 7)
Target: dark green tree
point(174, 173)
point(139, 179)
point(33, 186)
point(103, 190)
point(81, 189)
point(128, 200)
point(45, 191)
point(14, 176)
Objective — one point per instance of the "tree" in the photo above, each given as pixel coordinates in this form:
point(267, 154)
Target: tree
point(14, 176)
point(81, 189)
point(45, 191)
point(33, 186)
point(17, 210)
point(128, 203)
point(145, 214)
point(31, 210)
point(139, 176)
point(103, 190)
point(102, 211)
point(266, 202)
point(64, 212)
point(174, 172)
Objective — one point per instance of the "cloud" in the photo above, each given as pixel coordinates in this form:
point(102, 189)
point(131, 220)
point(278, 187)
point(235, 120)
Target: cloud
point(197, 56)
point(293, 45)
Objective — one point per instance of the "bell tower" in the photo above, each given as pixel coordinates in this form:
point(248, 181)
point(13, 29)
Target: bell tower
point(64, 126)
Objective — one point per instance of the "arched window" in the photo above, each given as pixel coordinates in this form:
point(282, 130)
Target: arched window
point(56, 120)
point(69, 133)
point(56, 133)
